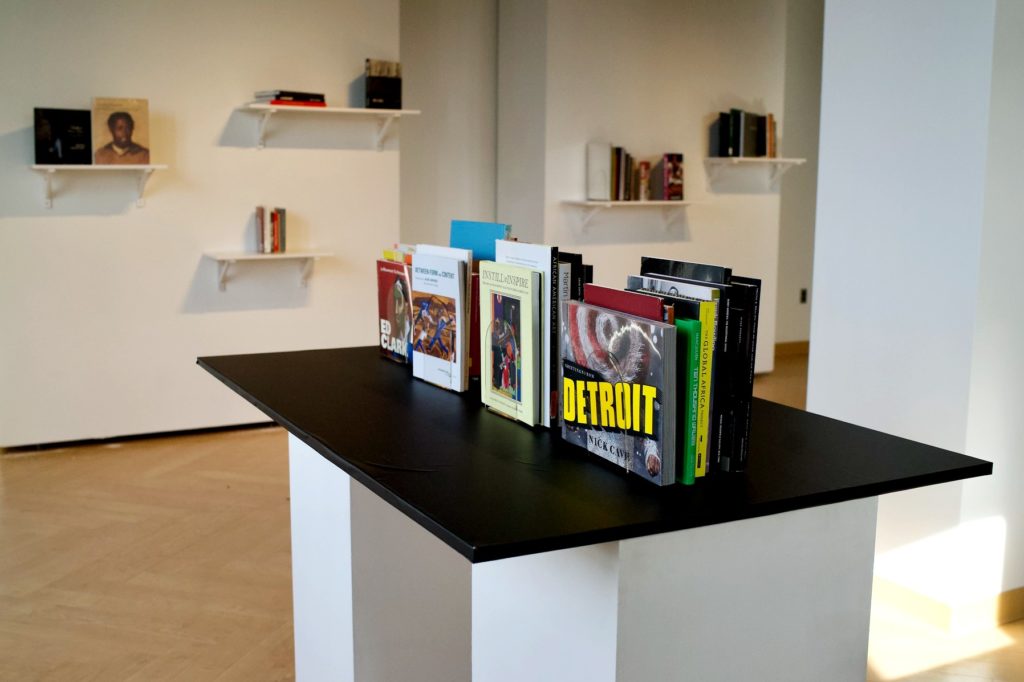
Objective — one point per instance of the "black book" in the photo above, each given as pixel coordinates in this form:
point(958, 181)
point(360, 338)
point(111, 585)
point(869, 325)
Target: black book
point(588, 274)
point(736, 132)
point(575, 261)
point(750, 289)
point(720, 143)
point(290, 95)
point(63, 136)
point(749, 145)
point(701, 272)
point(761, 146)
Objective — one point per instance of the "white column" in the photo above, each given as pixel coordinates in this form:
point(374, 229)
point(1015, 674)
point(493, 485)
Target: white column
point(321, 566)
point(549, 616)
point(784, 597)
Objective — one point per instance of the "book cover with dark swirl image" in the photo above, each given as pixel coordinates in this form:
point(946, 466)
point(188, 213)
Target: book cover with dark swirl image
point(618, 389)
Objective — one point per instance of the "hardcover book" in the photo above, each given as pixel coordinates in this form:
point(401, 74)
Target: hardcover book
point(63, 137)
point(641, 305)
point(394, 308)
point(618, 389)
point(543, 259)
point(438, 320)
point(120, 131)
point(510, 340)
point(688, 334)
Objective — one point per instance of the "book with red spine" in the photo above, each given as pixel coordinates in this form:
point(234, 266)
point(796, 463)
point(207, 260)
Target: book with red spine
point(630, 302)
point(294, 103)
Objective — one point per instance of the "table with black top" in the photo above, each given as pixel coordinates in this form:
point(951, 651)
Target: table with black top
point(433, 540)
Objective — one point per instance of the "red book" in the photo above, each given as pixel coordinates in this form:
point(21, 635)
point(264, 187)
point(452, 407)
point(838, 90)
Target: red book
point(293, 103)
point(394, 305)
point(629, 302)
point(275, 231)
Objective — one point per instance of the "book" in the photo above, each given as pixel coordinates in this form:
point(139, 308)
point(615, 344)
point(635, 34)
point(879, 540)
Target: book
point(751, 290)
point(292, 103)
point(699, 302)
point(474, 324)
point(544, 259)
point(599, 170)
point(631, 302)
point(260, 216)
point(689, 339)
point(63, 136)
point(275, 231)
point(748, 140)
point(510, 305)
point(394, 310)
point(770, 133)
point(478, 237)
point(268, 232)
point(289, 95)
point(643, 180)
point(761, 126)
point(438, 322)
point(673, 178)
point(618, 389)
point(383, 83)
point(120, 131)
point(736, 132)
point(282, 218)
point(465, 256)
point(575, 260)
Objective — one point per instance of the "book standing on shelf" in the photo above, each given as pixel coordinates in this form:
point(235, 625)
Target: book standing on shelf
point(271, 230)
point(739, 133)
point(63, 136)
point(510, 340)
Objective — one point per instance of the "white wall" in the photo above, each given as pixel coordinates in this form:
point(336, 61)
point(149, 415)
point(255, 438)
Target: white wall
point(449, 69)
point(916, 326)
point(105, 306)
point(648, 76)
point(994, 428)
point(802, 102)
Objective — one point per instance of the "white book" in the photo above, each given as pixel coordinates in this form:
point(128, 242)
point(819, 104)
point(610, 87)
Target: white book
point(439, 333)
point(599, 171)
point(464, 256)
point(543, 259)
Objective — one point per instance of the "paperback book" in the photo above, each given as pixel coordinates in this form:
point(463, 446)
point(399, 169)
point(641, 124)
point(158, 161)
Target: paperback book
point(439, 315)
point(63, 136)
point(120, 131)
point(510, 340)
point(618, 393)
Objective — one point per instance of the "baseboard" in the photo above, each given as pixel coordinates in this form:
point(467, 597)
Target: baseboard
point(60, 445)
point(791, 348)
point(984, 614)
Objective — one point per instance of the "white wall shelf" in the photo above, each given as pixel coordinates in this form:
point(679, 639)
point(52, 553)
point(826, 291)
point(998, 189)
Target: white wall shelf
point(670, 210)
point(384, 117)
point(143, 171)
point(225, 259)
point(714, 164)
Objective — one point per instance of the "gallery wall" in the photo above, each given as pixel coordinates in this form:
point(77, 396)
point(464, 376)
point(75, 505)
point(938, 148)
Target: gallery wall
point(105, 306)
point(648, 76)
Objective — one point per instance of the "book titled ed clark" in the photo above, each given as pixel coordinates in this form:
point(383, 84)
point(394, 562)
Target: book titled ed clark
point(617, 398)
point(510, 340)
point(394, 306)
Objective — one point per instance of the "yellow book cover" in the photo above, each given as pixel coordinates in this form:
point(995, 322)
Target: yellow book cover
point(708, 314)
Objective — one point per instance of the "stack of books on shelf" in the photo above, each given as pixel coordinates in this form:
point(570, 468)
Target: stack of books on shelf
point(656, 378)
point(613, 174)
point(290, 98)
point(738, 133)
point(271, 230)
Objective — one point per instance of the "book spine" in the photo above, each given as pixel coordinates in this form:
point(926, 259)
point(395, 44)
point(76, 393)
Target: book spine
point(296, 103)
point(553, 359)
point(705, 383)
point(275, 232)
point(283, 218)
point(259, 229)
point(474, 326)
point(720, 443)
point(268, 226)
point(689, 360)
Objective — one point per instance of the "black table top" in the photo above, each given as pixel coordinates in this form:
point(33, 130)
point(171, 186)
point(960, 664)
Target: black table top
point(492, 488)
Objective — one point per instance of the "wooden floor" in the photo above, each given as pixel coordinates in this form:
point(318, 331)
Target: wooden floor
point(168, 559)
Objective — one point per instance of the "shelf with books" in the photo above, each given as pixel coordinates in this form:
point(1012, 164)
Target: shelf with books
point(225, 259)
point(48, 171)
point(670, 210)
point(384, 117)
point(778, 166)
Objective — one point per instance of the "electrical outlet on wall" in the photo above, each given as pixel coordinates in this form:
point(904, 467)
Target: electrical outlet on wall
point(803, 295)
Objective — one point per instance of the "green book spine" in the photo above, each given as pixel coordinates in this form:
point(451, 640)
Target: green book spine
point(688, 386)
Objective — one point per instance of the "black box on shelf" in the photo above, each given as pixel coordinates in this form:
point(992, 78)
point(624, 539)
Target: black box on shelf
point(383, 92)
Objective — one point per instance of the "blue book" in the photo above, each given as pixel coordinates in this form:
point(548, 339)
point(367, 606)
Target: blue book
point(478, 237)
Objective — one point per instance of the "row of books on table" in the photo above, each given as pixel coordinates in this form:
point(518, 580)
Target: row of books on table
point(656, 377)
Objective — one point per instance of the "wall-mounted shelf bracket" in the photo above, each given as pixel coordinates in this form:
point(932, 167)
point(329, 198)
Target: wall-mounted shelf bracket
point(50, 171)
point(670, 210)
point(261, 127)
point(777, 166)
point(226, 260)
